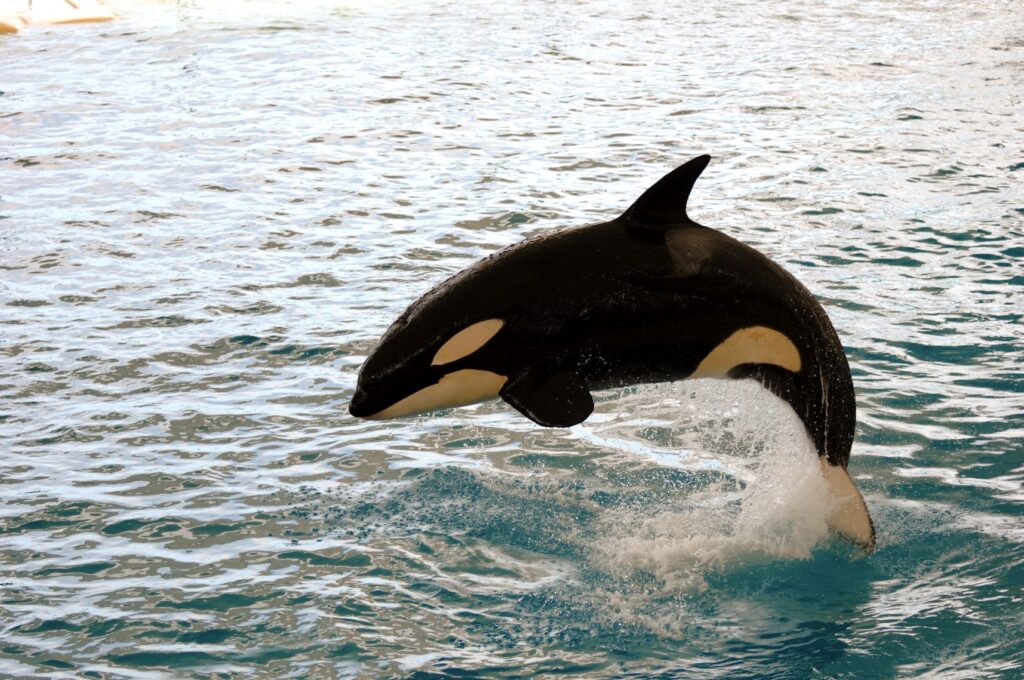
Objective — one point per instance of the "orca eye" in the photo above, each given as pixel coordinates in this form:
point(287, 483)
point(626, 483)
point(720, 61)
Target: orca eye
point(468, 340)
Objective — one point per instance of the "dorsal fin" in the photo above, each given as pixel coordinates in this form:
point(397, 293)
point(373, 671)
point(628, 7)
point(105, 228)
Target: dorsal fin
point(664, 204)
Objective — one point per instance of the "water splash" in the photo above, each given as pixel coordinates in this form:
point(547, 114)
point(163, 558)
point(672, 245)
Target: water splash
point(767, 497)
point(714, 475)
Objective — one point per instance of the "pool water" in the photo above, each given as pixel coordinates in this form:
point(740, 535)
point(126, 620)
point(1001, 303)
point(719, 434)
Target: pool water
point(210, 212)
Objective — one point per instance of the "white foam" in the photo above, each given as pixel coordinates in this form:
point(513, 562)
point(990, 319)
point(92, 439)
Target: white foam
point(768, 499)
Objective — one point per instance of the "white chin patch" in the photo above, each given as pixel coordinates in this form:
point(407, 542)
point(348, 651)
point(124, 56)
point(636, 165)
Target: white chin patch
point(848, 514)
point(460, 388)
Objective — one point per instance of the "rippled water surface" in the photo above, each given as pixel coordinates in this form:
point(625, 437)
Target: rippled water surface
point(210, 212)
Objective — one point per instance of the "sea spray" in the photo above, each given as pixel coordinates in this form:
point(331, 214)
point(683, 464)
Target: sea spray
point(767, 500)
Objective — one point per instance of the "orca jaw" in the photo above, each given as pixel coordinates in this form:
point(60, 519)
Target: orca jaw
point(458, 388)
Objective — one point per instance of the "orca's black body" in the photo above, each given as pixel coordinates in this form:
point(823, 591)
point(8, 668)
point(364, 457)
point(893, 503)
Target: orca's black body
point(651, 296)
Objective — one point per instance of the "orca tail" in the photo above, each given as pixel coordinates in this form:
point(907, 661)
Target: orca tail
point(848, 514)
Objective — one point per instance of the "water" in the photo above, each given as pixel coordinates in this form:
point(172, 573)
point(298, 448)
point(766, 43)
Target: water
point(210, 213)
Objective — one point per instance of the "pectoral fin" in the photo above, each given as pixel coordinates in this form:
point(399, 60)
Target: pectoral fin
point(559, 400)
point(849, 514)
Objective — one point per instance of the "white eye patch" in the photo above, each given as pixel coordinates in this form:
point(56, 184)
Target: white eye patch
point(468, 340)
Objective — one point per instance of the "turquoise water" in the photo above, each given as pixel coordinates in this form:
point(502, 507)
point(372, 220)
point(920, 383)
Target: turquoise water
point(210, 213)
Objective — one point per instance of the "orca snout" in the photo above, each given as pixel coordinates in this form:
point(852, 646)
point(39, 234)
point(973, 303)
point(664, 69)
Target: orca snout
point(360, 406)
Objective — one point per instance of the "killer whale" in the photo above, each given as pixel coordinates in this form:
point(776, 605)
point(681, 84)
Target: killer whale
point(650, 296)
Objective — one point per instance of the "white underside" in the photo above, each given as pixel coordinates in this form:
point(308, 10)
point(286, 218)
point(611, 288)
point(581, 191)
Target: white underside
point(459, 388)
